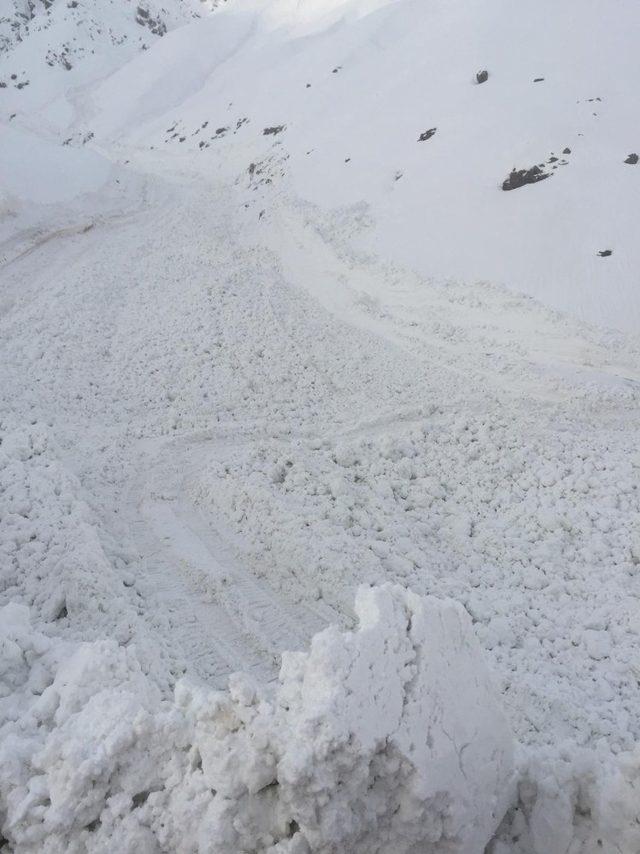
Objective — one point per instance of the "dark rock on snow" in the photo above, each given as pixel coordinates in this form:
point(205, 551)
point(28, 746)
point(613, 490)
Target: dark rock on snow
point(520, 177)
point(427, 135)
point(482, 76)
point(632, 159)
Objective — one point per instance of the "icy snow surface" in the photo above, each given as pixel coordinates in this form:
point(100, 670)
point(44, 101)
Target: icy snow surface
point(267, 344)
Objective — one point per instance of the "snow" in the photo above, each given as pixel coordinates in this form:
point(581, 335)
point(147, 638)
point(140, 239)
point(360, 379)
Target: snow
point(248, 378)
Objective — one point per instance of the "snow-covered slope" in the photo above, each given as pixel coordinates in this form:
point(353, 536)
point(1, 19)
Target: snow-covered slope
point(274, 333)
point(354, 85)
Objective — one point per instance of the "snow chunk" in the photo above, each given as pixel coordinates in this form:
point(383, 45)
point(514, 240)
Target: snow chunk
point(384, 739)
point(406, 703)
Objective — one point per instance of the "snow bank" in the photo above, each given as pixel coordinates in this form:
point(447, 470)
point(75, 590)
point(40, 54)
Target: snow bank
point(378, 740)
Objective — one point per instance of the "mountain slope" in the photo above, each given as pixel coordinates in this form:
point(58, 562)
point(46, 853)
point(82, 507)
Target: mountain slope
point(356, 84)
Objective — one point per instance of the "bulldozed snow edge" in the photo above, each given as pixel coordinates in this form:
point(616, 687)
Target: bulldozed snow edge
point(381, 739)
point(388, 738)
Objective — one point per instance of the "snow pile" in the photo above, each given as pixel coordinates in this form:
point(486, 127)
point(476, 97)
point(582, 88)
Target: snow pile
point(382, 739)
point(52, 560)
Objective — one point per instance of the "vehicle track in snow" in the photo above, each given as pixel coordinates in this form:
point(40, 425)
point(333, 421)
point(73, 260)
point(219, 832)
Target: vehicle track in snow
point(220, 616)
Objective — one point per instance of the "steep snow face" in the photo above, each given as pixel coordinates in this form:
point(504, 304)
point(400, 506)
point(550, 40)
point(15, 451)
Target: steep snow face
point(379, 103)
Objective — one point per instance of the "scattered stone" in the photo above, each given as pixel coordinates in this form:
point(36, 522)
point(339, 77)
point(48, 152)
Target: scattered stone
point(538, 79)
point(427, 135)
point(308, 86)
point(553, 160)
point(347, 159)
point(566, 151)
point(520, 177)
point(336, 69)
point(604, 253)
point(482, 76)
point(273, 130)
point(632, 159)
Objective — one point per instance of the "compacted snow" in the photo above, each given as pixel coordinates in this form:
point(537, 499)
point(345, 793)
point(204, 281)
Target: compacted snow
point(269, 346)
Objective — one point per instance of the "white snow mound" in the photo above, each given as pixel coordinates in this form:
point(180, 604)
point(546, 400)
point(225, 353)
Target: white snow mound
point(386, 739)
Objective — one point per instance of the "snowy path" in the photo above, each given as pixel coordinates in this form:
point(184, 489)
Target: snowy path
point(220, 617)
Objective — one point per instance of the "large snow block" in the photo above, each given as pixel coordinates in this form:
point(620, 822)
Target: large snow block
point(399, 729)
point(387, 739)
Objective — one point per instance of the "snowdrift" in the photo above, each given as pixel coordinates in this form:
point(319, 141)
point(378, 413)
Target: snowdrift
point(386, 739)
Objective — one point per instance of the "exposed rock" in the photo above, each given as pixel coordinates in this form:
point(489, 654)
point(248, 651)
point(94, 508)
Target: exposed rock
point(482, 76)
point(604, 253)
point(273, 130)
point(156, 25)
point(427, 134)
point(520, 177)
point(632, 159)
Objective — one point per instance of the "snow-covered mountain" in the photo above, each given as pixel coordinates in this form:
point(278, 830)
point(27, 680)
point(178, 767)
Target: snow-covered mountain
point(300, 298)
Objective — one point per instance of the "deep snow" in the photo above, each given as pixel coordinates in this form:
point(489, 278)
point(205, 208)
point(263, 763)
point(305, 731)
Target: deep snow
point(263, 348)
